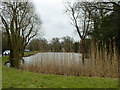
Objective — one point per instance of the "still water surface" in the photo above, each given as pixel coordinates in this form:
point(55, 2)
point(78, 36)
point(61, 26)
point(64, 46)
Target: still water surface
point(54, 55)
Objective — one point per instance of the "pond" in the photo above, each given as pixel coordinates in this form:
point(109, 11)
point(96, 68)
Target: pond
point(56, 56)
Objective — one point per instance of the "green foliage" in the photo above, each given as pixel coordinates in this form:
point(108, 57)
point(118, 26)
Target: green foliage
point(76, 46)
point(108, 29)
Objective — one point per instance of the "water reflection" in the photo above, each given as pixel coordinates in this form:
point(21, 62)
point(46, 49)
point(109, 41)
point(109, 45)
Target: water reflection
point(54, 55)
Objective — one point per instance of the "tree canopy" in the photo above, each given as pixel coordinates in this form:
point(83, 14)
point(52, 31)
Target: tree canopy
point(21, 23)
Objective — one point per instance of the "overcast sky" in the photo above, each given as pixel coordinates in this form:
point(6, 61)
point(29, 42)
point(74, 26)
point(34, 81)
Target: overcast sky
point(55, 22)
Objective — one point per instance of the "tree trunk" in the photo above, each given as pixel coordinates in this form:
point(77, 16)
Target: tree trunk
point(15, 55)
point(11, 58)
point(14, 58)
point(83, 52)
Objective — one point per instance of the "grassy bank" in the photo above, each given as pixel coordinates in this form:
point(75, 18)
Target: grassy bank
point(13, 78)
point(30, 53)
point(0, 73)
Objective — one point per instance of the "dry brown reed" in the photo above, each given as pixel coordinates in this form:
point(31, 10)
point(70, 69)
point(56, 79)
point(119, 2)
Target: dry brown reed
point(100, 63)
point(104, 60)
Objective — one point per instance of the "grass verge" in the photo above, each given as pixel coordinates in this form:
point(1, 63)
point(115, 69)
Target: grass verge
point(13, 78)
point(26, 54)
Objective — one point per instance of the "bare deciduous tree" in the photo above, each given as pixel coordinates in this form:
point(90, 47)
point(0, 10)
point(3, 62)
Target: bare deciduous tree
point(21, 24)
point(87, 16)
point(80, 19)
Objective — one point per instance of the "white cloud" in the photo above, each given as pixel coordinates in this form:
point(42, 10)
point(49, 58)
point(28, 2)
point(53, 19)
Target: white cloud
point(55, 21)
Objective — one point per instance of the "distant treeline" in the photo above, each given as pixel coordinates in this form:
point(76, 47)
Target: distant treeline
point(64, 44)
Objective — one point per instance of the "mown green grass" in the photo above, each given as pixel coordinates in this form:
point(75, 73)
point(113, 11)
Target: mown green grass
point(13, 78)
point(0, 73)
point(30, 53)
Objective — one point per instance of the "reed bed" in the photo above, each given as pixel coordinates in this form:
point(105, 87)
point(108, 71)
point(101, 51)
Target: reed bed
point(100, 63)
point(104, 60)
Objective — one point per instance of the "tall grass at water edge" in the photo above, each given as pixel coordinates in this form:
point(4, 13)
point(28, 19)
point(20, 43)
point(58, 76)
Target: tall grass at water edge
point(100, 63)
